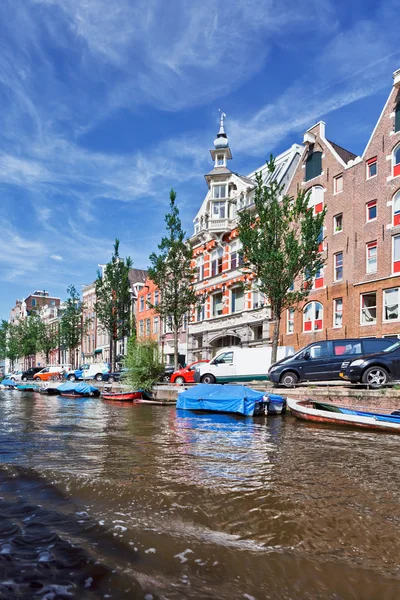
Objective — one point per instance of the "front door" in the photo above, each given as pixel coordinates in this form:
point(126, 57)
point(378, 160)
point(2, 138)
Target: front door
point(223, 367)
point(317, 367)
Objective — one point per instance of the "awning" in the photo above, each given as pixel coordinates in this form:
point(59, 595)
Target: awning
point(98, 350)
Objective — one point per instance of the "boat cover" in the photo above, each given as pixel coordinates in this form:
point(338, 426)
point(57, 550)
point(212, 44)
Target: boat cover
point(220, 398)
point(7, 382)
point(77, 388)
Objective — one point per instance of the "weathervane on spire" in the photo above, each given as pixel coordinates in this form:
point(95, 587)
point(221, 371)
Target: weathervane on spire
point(221, 127)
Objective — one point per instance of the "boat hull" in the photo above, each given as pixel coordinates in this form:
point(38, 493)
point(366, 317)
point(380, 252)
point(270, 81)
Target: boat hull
point(304, 411)
point(123, 396)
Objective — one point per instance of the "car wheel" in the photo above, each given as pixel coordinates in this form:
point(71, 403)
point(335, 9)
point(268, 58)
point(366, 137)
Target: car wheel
point(375, 377)
point(24, 378)
point(99, 377)
point(71, 378)
point(110, 380)
point(208, 378)
point(289, 379)
point(179, 380)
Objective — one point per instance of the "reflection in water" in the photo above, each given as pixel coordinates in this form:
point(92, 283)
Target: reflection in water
point(99, 498)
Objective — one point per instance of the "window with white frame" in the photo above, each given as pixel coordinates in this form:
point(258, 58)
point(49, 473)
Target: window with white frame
point(235, 258)
point(396, 161)
point(338, 223)
point(316, 199)
point(219, 191)
point(396, 253)
point(397, 117)
point(148, 298)
point(141, 328)
point(217, 304)
point(290, 320)
point(372, 210)
point(372, 167)
point(338, 184)
point(156, 297)
point(368, 308)
point(200, 268)
point(372, 257)
point(219, 210)
point(396, 208)
point(338, 266)
point(184, 322)
point(391, 304)
point(258, 299)
point(141, 303)
point(220, 160)
point(156, 325)
point(148, 327)
point(168, 325)
point(337, 312)
point(201, 312)
point(313, 317)
point(216, 261)
point(237, 299)
point(196, 226)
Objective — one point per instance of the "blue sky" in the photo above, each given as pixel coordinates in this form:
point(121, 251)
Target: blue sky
point(107, 105)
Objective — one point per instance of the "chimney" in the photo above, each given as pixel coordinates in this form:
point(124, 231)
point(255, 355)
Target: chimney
point(396, 79)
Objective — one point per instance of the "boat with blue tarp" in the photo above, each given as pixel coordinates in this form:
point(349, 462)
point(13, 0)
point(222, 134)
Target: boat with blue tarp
point(77, 390)
point(237, 399)
point(8, 384)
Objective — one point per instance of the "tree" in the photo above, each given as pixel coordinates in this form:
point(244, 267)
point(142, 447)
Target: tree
point(173, 274)
point(3, 339)
point(71, 325)
point(13, 349)
point(144, 364)
point(27, 334)
point(280, 245)
point(114, 299)
point(47, 339)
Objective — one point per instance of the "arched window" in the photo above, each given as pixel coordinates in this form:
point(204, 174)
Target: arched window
point(313, 317)
point(396, 161)
point(316, 200)
point(396, 208)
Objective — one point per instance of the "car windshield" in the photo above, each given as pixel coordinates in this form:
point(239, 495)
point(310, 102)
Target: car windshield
point(394, 346)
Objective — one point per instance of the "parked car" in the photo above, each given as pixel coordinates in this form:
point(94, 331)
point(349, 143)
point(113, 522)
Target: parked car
point(15, 376)
point(323, 361)
point(186, 375)
point(116, 376)
point(29, 373)
point(89, 371)
point(166, 376)
point(238, 365)
point(48, 373)
point(375, 369)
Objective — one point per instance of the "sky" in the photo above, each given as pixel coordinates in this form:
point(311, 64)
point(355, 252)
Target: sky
point(106, 106)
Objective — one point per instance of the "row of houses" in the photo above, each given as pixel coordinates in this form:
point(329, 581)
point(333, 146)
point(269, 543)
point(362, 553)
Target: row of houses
point(357, 293)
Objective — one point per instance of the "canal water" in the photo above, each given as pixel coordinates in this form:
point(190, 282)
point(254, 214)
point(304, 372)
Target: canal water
point(104, 500)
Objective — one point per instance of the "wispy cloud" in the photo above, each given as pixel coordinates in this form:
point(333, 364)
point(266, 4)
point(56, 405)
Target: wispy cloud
point(57, 257)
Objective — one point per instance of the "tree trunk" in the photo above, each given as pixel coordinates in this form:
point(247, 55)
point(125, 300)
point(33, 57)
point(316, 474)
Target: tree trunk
point(111, 354)
point(176, 348)
point(275, 337)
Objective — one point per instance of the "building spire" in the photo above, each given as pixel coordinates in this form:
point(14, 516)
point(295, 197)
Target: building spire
point(221, 132)
point(221, 140)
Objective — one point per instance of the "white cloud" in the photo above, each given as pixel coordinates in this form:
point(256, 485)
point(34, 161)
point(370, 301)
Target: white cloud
point(57, 257)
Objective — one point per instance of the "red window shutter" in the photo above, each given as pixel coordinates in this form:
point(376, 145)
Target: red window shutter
point(396, 170)
point(318, 324)
point(372, 160)
point(396, 267)
point(307, 326)
point(396, 219)
point(319, 207)
point(319, 283)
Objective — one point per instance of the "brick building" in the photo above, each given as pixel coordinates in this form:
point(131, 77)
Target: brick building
point(358, 291)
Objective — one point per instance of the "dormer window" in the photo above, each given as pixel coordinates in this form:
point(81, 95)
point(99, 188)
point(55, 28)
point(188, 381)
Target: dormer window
point(219, 191)
point(313, 165)
point(220, 160)
point(219, 210)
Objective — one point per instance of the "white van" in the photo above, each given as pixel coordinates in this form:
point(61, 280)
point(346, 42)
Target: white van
point(89, 371)
point(239, 365)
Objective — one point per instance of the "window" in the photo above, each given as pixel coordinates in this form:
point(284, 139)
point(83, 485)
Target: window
point(312, 317)
point(338, 184)
point(396, 209)
point(220, 160)
point(258, 299)
point(168, 325)
point(219, 210)
point(53, 302)
point(319, 279)
point(156, 297)
point(313, 165)
point(141, 328)
point(338, 223)
point(236, 259)
point(372, 167)
point(290, 321)
point(368, 308)
point(319, 350)
point(33, 302)
point(316, 199)
point(391, 304)
point(372, 257)
point(341, 347)
point(219, 191)
point(200, 268)
point(141, 303)
point(396, 254)
point(185, 322)
point(148, 327)
point(217, 304)
point(155, 325)
point(396, 161)
point(338, 266)
point(371, 210)
point(226, 357)
point(237, 299)
point(200, 313)
point(397, 118)
point(337, 312)
point(148, 298)
point(216, 261)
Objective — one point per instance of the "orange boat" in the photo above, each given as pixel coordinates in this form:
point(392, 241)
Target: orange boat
point(124, 396)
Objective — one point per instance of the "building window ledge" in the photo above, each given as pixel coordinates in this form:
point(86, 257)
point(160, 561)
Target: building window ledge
point(367, 324)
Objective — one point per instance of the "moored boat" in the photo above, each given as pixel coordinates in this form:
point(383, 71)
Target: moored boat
point(8, 384)
point(28, 387)
point(222, 398)
point(77, 390)
point(318, 412)
point(123, 396)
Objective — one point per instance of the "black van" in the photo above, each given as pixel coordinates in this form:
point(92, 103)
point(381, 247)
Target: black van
point(30, 373)
point(322, 361)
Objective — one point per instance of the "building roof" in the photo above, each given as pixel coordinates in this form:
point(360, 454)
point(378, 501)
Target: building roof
point(344, 154)
point(219, 171)
point(137, 276)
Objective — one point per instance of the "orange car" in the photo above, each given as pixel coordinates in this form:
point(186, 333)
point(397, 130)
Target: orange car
point(48, 373)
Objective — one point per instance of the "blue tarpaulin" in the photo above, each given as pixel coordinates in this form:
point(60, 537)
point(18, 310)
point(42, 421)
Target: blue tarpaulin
point(220, 398)
point(77, 388)
point(8, 382)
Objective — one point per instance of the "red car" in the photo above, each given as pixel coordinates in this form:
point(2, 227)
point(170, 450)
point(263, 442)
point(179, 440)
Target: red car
point(186, 375)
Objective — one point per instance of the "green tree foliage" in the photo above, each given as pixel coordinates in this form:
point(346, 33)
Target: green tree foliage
point(48, 339)
point(13, 349)
point(144, 364)
point(71, 326)
point(113, 299)
point(27, 332)
point(3, 339)
point(173, 274)
point(280, 245)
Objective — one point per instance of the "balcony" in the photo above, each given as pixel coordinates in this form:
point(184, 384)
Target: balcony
point(221, 225)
